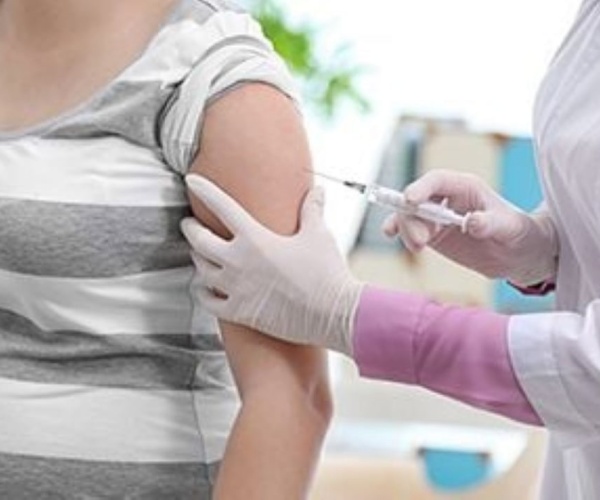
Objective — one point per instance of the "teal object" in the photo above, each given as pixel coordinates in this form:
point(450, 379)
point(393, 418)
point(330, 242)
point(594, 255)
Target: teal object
point(450, 470)
point(398, 168)
point(518, 183)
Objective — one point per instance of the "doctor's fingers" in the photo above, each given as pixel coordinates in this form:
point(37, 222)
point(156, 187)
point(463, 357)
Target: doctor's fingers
point(214, 304)
point(390, 226)
point(311, 214)
point(414, 233)
point(501, 225)
point(213, 276)
point(439, 184)
point(223, 206)
point(204, 242)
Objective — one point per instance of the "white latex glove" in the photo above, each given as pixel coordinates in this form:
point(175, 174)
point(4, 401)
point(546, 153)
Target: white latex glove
point(501, 241)
point(296, 288)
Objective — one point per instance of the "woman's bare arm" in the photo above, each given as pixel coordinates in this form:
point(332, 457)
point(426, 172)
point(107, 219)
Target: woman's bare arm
point(253, 145)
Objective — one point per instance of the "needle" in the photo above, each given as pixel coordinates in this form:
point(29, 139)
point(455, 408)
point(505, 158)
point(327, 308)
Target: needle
point(438, 213)
point(359, 186)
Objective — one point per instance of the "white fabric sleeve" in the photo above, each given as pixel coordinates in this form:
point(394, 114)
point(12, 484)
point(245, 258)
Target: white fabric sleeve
point(230, 49)
point(556, 357)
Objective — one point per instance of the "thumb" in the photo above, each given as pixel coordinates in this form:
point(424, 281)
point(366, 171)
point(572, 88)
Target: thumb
point(490, 224)
point(229, 212)
point(433, 183)
point(312, 208)
point(439, 183)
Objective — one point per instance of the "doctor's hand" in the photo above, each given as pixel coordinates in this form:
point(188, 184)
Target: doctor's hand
point(296, 288)
point(500, 240)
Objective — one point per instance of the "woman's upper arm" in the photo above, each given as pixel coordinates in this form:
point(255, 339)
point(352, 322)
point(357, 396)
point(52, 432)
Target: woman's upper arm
point(253, 146)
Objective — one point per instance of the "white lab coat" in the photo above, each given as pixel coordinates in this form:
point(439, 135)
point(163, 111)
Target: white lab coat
point(557, 355)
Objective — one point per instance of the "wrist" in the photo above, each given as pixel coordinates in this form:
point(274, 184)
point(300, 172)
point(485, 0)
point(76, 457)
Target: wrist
point(538, 252)
point(327, 314)
point(345, 316)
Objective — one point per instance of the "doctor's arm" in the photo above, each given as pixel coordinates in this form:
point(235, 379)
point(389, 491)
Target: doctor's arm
point(253, 146)
point(535, 368)
point(460, 352)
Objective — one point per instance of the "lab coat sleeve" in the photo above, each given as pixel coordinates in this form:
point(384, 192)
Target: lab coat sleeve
point(557, 359)
point(549, 284)
point(455, 351)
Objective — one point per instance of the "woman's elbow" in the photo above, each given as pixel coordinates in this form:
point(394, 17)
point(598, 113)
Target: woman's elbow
point(321, 402)
point(305, 399)
point(313, 382)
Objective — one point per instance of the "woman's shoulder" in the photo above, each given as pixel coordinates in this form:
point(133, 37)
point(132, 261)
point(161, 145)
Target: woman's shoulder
point(201, 11)
point(132, 105)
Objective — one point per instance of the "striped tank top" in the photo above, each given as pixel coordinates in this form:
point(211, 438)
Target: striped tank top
point(113, 379)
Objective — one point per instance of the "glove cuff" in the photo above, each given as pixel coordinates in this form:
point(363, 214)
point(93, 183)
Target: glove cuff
point(337, 313)
point(540, 255)
point(349, 305)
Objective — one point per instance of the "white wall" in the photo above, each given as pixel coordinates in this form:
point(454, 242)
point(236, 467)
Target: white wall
point(481, 60)
point(477, 59)
point(474, 59)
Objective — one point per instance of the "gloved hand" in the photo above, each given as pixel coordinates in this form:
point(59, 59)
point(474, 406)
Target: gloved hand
point(500, 241)
point(296, 288)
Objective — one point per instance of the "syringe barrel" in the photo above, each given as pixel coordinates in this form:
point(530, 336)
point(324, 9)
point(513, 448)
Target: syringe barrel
point(433, 212)
point(386, 197)
point(439, 213)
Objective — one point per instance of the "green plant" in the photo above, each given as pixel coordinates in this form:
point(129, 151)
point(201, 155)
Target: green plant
point(325, 82)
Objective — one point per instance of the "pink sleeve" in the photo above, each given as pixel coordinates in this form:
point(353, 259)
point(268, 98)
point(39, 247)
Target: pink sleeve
point(456, 351)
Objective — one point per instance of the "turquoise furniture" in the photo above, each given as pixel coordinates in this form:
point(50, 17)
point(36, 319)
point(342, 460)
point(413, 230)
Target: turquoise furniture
point(518, 182)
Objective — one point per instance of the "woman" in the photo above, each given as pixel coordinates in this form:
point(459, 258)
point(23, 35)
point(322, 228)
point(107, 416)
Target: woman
point(543, 369)
point(113, 382)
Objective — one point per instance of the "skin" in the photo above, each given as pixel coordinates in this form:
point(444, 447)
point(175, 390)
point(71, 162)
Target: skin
point(286, 404)
point(47, 43)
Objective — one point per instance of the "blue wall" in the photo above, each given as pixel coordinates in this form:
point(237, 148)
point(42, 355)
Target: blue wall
point(518, 182)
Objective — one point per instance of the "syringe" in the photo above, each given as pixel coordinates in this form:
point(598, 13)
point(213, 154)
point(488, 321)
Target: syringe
point(438, 213)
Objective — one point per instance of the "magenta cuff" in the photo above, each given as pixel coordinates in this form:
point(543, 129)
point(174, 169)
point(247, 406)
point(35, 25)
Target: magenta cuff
point(456, 351)
point(542, 288)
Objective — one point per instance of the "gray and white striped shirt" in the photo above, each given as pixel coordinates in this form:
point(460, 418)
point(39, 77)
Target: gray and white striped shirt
point(113, 380)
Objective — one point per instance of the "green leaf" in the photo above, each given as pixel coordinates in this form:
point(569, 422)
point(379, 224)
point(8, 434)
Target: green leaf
point(326, 82)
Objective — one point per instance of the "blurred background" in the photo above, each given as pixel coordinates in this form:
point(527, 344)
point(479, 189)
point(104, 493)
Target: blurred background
point(392, 90)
